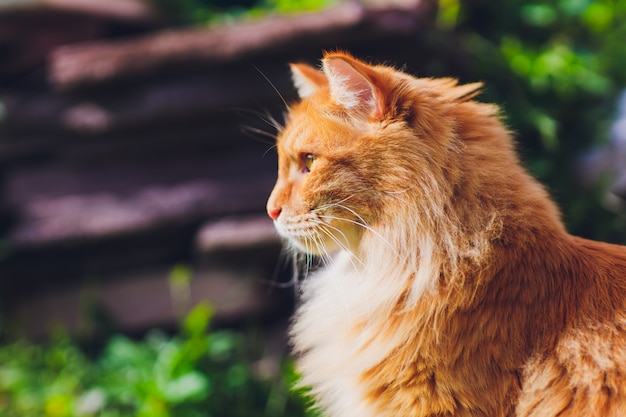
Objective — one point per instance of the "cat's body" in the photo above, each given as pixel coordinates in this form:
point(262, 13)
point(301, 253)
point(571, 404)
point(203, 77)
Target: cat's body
point(455, 289)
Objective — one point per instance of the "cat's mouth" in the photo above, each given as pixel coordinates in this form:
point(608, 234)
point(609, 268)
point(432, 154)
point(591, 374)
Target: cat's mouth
point(312, 235)
point(304, 235)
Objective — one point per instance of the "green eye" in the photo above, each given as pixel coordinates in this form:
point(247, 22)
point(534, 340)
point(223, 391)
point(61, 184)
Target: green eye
point(308, 161)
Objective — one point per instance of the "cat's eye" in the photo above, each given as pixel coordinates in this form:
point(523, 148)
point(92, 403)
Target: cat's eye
point(308, 160)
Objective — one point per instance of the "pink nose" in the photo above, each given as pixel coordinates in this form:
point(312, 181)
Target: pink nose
point(274, 212)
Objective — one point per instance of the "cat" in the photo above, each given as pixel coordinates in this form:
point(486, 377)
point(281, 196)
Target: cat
point(450, 286)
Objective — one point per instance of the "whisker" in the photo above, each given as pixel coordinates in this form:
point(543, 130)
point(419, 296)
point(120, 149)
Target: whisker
point(308, 237)
point(296, 273)
point(247, 130)
point(330, 205)
point(352, 257)
point(360, 222)
point(326, 228)
point(264, 116)
point(357, 215)
point(280, 264)
point(271, 120)
point(340, 204)
point(268, 150)
point(337, 282)
point(364, 226)
point(272, 84)
point(250, 129)
point(251, 132)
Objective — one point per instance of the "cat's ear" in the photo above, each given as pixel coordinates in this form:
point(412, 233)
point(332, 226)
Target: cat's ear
point(352, 85)
point(307, 79)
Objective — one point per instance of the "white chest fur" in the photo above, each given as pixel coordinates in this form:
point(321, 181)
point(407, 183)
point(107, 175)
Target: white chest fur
point(336, 332)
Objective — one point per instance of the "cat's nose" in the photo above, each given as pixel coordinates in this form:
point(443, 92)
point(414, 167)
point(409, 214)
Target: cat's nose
point(274, 212)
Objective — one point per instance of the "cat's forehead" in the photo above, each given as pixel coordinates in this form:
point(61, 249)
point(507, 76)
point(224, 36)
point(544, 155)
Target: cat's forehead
point(311, 130)
point(300, 132)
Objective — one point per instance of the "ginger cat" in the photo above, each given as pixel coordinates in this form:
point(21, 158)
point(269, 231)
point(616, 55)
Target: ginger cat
point(453, 288)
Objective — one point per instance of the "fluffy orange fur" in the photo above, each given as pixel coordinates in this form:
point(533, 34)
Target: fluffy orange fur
point(450, 286)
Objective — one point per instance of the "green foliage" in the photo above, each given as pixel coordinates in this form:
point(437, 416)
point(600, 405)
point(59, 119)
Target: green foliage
point(195, 373)
point(556, 67)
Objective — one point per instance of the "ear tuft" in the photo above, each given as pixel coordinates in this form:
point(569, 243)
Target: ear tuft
point(350, 87)
point(307, 79)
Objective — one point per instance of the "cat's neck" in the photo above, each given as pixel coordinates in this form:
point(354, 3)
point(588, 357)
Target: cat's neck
point(457, 243)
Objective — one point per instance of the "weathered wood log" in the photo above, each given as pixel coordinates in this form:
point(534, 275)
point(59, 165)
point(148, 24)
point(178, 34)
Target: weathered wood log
point(148, 105)
point(233, 253)
point(29, 30)
point(98, 62)
point(73, 203)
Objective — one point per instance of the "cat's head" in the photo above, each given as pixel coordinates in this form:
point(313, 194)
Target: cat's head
point(366, 145)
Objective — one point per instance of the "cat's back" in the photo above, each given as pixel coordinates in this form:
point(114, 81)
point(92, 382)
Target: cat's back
point(602, 278)
point(585, 373)
point(603, 253)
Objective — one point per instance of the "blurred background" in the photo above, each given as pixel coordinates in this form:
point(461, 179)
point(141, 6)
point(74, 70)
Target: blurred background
point(139, 274)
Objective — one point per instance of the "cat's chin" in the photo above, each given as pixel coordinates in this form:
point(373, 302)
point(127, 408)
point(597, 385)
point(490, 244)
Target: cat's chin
point(312, 248)
point(316, 238)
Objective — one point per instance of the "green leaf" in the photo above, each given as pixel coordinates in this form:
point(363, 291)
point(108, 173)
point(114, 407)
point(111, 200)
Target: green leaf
point(573, 7)
point(221, 346)
point(12, 377)
point(153, 407)
point(598, 17)
point(547, 127)
point(197, 321)
point(169, 361)
point(237, 376)
point(180, 276)
point(541, 15)
point(192, 386)
point(448, 14)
